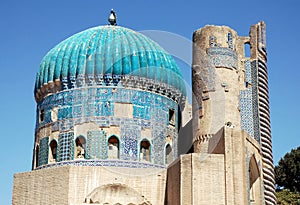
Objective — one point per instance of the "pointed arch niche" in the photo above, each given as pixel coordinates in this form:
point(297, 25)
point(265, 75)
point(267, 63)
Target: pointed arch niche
point(80, 146)
point(168, 154)
point(145, 150)
point(254, 182)
point(113, 145)
point(37, 151)
point(53, 151)
point(116, 194)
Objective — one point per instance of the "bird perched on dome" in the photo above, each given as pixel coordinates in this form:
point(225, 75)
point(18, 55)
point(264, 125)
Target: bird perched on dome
point(112, 19)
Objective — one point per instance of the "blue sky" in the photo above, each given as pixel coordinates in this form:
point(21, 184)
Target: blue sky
point(30, 28)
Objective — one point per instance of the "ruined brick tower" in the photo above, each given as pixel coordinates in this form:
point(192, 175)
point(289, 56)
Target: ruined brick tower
point(232, 89)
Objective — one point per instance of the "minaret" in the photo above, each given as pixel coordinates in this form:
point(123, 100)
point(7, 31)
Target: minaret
point(258, 61)
point(216, 84)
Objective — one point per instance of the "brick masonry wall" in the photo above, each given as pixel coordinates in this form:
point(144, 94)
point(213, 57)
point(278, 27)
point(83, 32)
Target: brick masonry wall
point(72, 184)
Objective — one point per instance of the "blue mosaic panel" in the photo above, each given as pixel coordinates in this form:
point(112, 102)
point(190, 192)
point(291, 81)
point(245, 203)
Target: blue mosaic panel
point(65, 125)
point(248, 101)
point(89, 104)
point(43, 153)
point(223, 57)
point(47, 117)
point(159, 142)
point(140, 112)
point(254, 68)
point(96, 147)
point(246, 111)
point(65, 149)
point(129, 142)
point(245, 103)
point(65, 112)
point(248, 71)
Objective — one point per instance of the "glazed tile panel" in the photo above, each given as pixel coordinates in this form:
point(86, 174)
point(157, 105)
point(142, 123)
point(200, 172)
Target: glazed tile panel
point(96, 105)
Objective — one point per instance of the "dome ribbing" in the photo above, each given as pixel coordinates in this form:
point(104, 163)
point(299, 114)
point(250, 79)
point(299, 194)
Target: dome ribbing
point(106, 53)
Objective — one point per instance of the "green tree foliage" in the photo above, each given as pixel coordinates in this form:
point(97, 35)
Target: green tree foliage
point(286, 197)
point(287, 172)
point(287, 178)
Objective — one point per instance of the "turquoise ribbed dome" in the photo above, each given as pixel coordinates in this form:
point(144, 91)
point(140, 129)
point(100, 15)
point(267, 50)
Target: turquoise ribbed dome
point(108, 51)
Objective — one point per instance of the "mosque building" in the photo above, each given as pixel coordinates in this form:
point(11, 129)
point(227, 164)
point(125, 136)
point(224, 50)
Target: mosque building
point(114, 126)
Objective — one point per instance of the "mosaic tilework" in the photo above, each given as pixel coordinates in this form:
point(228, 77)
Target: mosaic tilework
point(256, 127)
point(96, 104)
point(229, 40)
point(245, 103)
point(65, 112)
point(223, 57)
point(83, 105)
point(65, 149)
point(129, 142)
point(43, 153)
point(142, 112)
point(246, 111)
point(248, 71)
point(96, 147)
point(107, 163)
point(158, 149)
point(249, 101)
point(217, 56)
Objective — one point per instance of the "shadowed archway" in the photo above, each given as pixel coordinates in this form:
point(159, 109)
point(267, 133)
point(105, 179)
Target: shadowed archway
point(116, 194)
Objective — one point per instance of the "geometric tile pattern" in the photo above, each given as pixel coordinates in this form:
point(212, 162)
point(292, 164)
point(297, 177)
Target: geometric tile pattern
point(248, 71)
point(129, 142)
point(90, 104)
point(66, 146)
point(246, 111)
point(248, 101)
point(158, 150)
point(96, 145)
point(108, 163)
point(255, 100)
point(223, 57)
point(43, 152)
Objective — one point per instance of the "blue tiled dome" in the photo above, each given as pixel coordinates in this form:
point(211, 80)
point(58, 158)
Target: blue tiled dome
point(108, 51)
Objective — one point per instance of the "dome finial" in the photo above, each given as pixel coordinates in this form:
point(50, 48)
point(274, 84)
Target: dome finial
point(112, 19)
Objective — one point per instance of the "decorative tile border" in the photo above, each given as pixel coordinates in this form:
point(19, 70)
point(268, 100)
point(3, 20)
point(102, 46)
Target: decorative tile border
point(103, 163)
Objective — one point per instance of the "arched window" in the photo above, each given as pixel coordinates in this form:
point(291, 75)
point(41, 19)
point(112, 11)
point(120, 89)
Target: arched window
point(80, 147)
point(247, 50)
point(42, 115)
point(37, 151)
point(145, 150)
point(172, 117)
point(53, 150)
point(113, 148)
point(168, 154)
